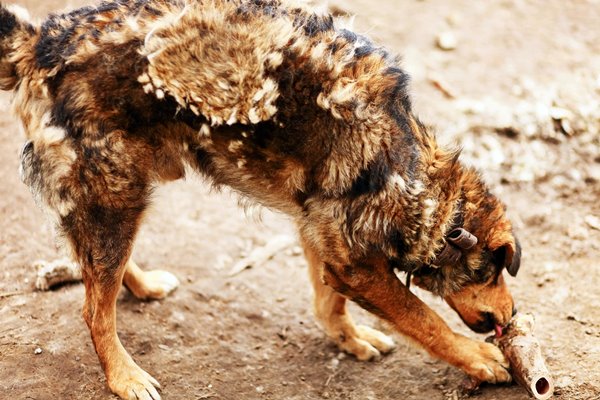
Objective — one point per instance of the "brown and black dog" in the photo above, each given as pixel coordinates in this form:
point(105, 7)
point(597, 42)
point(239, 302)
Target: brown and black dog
point(279, 104)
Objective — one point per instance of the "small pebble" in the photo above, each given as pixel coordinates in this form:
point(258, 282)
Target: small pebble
point(447, 41)
point(453, 19)
point(334, 363)
point(37, 351)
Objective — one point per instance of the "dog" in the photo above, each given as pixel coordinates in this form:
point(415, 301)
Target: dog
point(287, 109)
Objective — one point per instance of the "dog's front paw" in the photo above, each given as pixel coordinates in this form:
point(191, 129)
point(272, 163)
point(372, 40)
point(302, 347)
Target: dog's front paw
point(483, 361)
point(130, 382)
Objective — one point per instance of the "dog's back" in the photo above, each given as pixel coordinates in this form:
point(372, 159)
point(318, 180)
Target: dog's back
point(271, 100)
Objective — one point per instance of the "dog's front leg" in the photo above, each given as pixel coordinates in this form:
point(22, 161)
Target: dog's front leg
point(375, 287)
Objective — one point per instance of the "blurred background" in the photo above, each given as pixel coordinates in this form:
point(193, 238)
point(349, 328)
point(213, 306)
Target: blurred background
point(516, 83)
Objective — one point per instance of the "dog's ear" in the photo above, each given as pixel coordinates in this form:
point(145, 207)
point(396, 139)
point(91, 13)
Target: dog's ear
point(508, 256)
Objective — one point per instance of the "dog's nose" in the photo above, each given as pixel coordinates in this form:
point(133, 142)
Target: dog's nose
point(514, 311)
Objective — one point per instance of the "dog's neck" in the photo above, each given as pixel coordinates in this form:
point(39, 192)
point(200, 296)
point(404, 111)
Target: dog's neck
point(462, 198)
point(441, 204)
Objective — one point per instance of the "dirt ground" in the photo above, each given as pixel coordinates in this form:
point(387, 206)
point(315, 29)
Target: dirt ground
point(522, 96)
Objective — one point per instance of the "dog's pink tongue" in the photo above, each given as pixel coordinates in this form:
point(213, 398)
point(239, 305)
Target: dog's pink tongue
point(498, 331)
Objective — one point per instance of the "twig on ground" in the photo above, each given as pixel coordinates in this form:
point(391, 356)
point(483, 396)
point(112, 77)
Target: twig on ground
point(262, 254)
point(440, 84)
point(10, 294)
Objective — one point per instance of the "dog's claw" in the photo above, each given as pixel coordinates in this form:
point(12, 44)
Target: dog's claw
point(153, 394)
point(152, 381)
point(142, 395)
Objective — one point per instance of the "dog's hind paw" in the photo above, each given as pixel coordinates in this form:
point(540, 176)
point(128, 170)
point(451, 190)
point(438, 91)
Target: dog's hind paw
point(134, 384)
point(379, 340)
point(155, 285)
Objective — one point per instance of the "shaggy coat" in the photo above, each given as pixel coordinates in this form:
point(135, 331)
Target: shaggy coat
point(277, 103)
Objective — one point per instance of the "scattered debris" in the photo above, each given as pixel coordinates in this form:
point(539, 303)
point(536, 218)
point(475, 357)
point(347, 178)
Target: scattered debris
point(592, 221)
point(469, 386)
point(440, 84)
point(262, 254)
point(453, 19)
point(50, 274)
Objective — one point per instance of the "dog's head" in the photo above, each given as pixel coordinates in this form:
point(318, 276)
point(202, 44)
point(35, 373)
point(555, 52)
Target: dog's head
point(473, 284)
point(485, 301)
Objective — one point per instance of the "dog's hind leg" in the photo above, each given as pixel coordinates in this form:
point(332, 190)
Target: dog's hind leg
point(148, 285)
point(330, 310)
point(105, 191)
point(102, 238)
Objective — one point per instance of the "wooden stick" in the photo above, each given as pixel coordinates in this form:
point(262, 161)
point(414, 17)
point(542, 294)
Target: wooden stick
point(54, 273)
point(523, 352)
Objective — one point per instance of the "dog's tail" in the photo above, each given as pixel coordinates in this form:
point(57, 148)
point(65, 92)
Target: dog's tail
point(14, 29)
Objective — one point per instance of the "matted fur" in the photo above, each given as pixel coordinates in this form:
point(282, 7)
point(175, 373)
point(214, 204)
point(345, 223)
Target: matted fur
point(277, 103)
